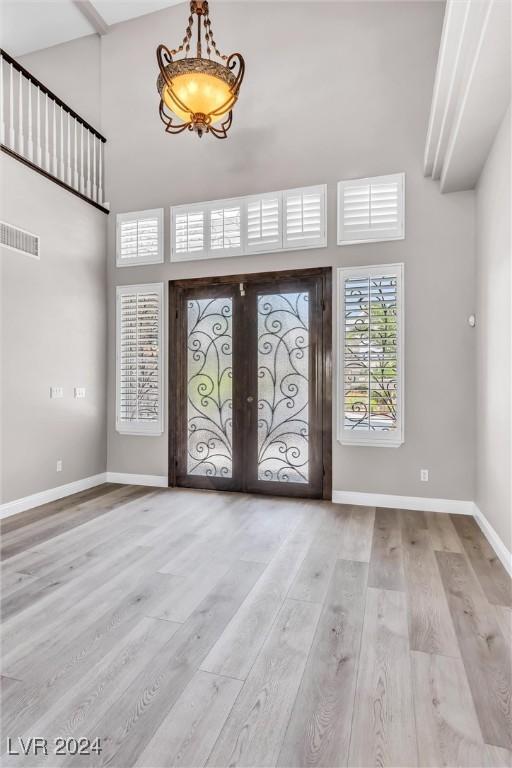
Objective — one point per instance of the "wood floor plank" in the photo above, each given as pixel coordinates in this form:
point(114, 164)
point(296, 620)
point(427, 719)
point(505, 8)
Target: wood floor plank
point(80, 655)
point(45, 511)
point(357, 533)
point(312, 580)
point(133, 721)
point(383, 727)
point(386, 566)
point(31, 642)
point(188, 591)
point(447, 725)
point(65, 666)
point(483, 649)
point(235, 651)
point(430, 624)
point(43, 530)
point(319, 730)
point(504, 616)
point(190, 730)
point(491, 574)
point(254, 731)
point(69, 715)
point(63, 573)
point(442, 533)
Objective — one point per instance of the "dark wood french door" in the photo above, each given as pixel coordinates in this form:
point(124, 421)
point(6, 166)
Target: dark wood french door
point(250, 383)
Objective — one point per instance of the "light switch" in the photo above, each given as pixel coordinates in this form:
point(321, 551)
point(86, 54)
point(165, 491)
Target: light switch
point(56, 392)
point(79, 392)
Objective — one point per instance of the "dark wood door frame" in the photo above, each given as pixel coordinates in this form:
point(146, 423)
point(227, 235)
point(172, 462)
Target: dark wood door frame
point(176, 362)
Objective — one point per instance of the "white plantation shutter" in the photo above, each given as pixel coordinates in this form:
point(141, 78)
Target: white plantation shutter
point(139, 359)
point(371, 209)
point(139, 237)
point(304, 217)
point(225, 229)
point(272, 221)
point(188, 232)
point(370, 391)
point(264, 229)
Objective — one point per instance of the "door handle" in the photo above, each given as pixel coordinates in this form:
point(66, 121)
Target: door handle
point(250, 399)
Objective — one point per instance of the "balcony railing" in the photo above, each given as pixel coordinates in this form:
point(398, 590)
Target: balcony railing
point(38, 129)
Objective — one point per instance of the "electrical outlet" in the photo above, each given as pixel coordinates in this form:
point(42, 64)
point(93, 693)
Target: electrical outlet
point(56, 392)
point(424, 475)
point(59, 465)
point(79, 393)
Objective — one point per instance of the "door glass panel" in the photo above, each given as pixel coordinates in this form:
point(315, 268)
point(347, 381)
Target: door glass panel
point(209, 387)
point(283, 387)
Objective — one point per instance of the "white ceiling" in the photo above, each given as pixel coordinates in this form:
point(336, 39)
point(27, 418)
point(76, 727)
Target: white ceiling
point(29, 25)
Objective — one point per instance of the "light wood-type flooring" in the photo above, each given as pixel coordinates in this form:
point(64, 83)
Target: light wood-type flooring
point(195, 628)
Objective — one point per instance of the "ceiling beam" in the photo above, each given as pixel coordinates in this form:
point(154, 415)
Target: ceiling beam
point(94, 18)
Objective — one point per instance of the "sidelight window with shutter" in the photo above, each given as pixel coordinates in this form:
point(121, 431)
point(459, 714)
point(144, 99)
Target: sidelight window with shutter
point(139, 359)
point(370, 359)
point(371, 209)
point(139, 238)
point(275, 221)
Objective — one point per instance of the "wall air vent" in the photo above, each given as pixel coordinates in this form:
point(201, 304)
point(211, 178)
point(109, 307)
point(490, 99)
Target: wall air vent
point(18, 240)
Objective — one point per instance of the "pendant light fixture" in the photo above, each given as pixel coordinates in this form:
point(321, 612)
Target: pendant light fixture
point(199, 91)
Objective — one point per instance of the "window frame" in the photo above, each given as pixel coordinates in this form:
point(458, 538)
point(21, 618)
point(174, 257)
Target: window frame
point(156, 428)
point(319, 241)
point(232, 202)
point(263, 247)
point(245, 249)
point(398, 234)
point(394, 438)
point(137, 216)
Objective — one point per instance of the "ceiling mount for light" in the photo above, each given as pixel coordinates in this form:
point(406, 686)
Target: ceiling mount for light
point(198, 90)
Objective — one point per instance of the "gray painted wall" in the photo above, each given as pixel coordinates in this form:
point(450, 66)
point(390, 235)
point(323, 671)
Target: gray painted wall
point(494, 321)
point(360, 76)
point(72, 72)
point(53, 318)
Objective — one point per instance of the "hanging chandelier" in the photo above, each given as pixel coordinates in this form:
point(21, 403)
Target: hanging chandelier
point(199, 91)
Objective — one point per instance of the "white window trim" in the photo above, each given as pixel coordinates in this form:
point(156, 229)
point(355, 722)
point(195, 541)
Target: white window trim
point(233, 202)
point(377, 238)
point(155, 428)
point(263, 247)
point(245, 250)
point(137, 261)
point(395, 438)
point(321, 242)
point(196, 255)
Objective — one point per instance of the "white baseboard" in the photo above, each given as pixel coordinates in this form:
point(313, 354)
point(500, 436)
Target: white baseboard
point(52, 494)
point(494, 540)
point(420, 503)
point(159, 481)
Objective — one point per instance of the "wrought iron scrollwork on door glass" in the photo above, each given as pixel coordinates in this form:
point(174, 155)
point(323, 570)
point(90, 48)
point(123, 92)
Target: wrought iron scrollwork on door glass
point(210, 387)
point(283, 387)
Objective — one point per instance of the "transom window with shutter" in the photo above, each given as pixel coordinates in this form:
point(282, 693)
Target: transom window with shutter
point(189, 232)
point(139, 359)
point(370, 391)
point(371, 209)
point(139, 238)
point(264, 230)
point(304, 217)
point(273, 221)
point(225, 229)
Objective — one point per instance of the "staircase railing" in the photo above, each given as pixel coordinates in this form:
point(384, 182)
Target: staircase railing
point(40, 130)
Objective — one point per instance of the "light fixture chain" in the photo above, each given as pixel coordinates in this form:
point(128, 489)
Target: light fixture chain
point(208, 24)
point(186, 40)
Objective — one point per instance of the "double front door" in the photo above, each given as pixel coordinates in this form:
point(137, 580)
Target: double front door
point(250, 384)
